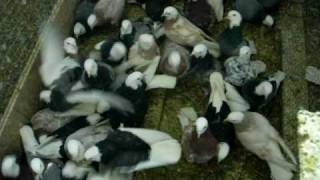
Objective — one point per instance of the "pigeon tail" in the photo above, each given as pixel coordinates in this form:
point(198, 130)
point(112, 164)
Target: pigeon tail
point(286, 149)
point(279, 173)
point(162, 81)
point(213, 48)
point(278, 77)
point(186, 116)
point(217, 6)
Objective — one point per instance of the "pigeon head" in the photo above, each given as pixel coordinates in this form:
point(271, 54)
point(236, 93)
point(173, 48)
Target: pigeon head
point(201, 126)
point(174, 59)
point(91, 67)
point(245, 51)
point(92, 21)
point(146, 41)
point(9, 167)
point(126, 27)
point(118, 51)
point(93, 154)
point(200, 51)
point(235, 118)
point(234, 17)
point(79, 30)
point(134, 80)
point(264, 89)
point(170, 13)
point(37, 166)
point(73, 171)
point(75, 149)
point(70, 46)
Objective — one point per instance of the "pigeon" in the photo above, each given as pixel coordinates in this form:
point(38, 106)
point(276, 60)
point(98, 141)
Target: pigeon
point(240, 69)
point(70, 47)
point(266, 143)
point(218, 109)
point(134, 90)
point(260, 92)
point(202, 62)
point(47, 121)
point(234, 100)
point(83, 11)
point(112, 52)
point(181, 31)
point(72, 170)
point(253, 11)
point(106, 12)
point(97, 75)
point(86, 102)
point(198, 143)
point(56, 71)
point(174, 60)
point(143, 52)
point(132, 149)
point(131, 31)
point(200, 12)
point(231, 39)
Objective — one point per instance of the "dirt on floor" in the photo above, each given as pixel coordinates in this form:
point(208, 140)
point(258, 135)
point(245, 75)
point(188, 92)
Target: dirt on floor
point(20, 23)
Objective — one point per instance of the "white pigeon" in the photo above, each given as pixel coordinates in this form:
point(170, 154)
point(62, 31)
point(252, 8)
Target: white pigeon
point(258, 136)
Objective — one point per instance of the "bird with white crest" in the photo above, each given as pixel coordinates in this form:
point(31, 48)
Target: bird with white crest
point(231, 39)
point(240, 69)
point(258, 136)
point(130, 31)
point(181, 31)
point(83, 11)
point(259, 92)
point(198, 143)
point(97, 75)
point(174, 60)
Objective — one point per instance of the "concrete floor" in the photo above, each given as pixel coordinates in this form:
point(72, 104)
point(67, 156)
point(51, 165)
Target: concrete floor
point(19, 26)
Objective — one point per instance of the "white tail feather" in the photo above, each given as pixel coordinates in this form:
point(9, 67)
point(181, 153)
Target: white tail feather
point(162, 81)
point(213, 48)
point(29, 140)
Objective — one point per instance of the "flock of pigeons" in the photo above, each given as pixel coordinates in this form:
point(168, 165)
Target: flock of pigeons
point(96, 103)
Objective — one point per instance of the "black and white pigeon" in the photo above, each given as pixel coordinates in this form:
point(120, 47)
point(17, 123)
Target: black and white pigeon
point(134, 90)
point(174, 60)
point(241, 69)
point(97, 75)
point(258, 136)
point(231, 39)
point(260, 92)
point(181, 31)
point(252, 11)
point(86, 102)
point(83, 11)
point(201, 12)
point(106, 12)
point(218, 109)
point(198, 143)
point(130, 31)
point(56, 71)
point(202, 62)
point(112, 52)
point(132, 149)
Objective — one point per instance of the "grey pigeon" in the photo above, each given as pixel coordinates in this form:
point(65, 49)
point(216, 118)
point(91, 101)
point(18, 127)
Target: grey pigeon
point(258, 136)
point(239, 69)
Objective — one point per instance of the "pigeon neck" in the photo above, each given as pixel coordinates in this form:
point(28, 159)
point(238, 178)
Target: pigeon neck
point(234, 24)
